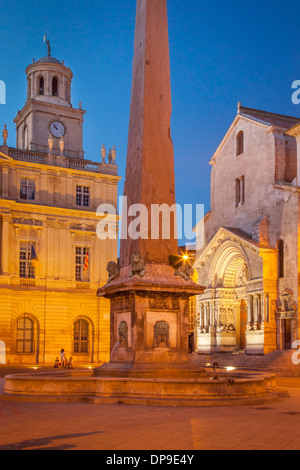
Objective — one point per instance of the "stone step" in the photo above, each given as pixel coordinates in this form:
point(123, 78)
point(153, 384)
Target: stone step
point(277, 362)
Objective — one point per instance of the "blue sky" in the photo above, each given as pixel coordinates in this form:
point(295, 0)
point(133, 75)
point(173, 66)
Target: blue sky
point(221, 53)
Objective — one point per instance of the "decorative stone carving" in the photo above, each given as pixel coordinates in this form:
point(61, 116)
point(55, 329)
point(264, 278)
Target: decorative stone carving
point(242, 277)
point(50, 145)
point(161, 335)
point(83, 227)
point(24, 221)
point(113, 155)
point(62, 146)
point(137, 266)
point(288, 307)
point(123, 335)
point(182, 268)
point(249, 327)
point(113, 270)
point(103, 154)
point(5, 135)
point(109, 157)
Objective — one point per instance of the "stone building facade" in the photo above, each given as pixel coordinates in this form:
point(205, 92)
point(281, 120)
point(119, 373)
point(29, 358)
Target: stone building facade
point(52, 261)
point(249, 260)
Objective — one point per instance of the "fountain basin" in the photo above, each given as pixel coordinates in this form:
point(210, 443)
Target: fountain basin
point(73, 386)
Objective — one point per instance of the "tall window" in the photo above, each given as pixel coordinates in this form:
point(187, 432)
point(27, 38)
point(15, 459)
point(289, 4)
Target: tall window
point(240, 143)
point(82, 196)
point(25, 336)
point(54, 87)
point(81, 337)
point(240, 191)
point(27, 270)
point(27, 189)
point(280, 259)
point(41, 86)
point(82, 264)
point(29, 89)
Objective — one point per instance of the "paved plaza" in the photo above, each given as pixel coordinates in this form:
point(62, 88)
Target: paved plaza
point(79, 426)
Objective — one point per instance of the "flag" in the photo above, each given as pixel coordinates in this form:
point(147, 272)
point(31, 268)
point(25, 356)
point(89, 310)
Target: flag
point(86, 264)
point(33, 255)
point(45, 38)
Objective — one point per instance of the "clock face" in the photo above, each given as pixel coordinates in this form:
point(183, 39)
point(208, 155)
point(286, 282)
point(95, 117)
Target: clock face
point(57, 129)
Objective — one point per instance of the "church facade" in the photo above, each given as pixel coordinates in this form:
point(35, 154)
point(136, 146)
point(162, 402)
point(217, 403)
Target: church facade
point(52, 262)
point(249, 260)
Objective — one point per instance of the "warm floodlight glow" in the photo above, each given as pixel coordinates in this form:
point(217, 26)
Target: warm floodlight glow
point(230, 369)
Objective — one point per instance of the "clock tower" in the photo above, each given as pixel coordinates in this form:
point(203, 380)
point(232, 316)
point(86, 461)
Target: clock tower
point(48, 112)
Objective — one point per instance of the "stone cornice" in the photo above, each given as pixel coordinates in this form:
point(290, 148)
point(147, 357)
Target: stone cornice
point(286, 187)
point(51, 211)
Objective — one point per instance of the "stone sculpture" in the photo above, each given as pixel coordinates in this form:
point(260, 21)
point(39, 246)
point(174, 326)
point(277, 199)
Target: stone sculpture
point(113, 270)
point(103, 154)
point(5, 135)
point(183, 268)
point(161, 335)
point(123, 335)
point(137, 266)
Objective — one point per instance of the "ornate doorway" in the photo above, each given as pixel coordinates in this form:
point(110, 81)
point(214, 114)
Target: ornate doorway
point(287, 333)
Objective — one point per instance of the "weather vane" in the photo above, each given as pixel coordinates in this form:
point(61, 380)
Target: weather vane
point(48, 47)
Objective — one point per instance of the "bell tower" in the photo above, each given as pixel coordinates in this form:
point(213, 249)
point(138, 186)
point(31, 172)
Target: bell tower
point(48, 112)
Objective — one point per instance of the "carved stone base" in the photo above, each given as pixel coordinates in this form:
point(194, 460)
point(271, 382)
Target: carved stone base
point(154, 311)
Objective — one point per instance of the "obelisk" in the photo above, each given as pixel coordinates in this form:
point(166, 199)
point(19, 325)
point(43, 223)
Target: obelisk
point(150, 177)
point(149, 299)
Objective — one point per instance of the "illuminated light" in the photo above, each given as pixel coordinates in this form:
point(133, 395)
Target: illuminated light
point(185, 257)
point(230, 369)
point(208, 364)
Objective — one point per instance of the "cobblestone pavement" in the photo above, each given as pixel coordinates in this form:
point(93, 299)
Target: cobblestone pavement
point(120, 427)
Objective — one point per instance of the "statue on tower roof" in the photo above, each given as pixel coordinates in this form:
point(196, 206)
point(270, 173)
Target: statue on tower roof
point(46, 40)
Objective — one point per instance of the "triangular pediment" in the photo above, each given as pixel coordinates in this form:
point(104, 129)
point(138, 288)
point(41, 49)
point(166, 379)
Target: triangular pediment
point(238, 118)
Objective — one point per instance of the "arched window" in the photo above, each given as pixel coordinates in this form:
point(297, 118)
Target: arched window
point(280, 259)
point(25, 336)
point(41, 86)
point(81, 337)
point(25, 138)
point(54, 87)
point(240, 143)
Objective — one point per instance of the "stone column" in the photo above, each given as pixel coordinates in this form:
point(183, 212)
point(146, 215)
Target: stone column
point(201, 316)
point(5, 181)
point(5, 244)
point(250, 308)
point(212, 320)
point(255, 308)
